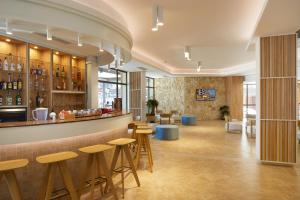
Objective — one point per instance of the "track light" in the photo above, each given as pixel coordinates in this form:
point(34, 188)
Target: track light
point(187, 53)
point(101, 47)
point(199, 66)
point(160, 16)
point(79, 43)
point(8, 29)
point(157, 17)
point(49, 34)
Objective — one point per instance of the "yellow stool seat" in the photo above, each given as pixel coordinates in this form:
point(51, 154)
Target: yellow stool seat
point(13, 164)
point(144, 131)
point(95, 148)
point(143, 127)
point(56, 157)
point(140, 123)
point(121, 141)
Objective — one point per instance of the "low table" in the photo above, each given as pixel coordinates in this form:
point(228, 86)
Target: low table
point(167, 132)
point(188, 120)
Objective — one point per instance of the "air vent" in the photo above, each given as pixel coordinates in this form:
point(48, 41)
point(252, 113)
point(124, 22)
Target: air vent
point(54, 38)
point(142, 68)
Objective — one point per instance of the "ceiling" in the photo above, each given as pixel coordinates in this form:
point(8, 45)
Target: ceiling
point(218, 31)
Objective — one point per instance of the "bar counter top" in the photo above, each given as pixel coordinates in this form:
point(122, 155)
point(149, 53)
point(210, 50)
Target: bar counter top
point(49, 122)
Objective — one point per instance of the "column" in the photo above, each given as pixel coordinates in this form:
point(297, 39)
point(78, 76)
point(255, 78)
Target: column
point(92, 82)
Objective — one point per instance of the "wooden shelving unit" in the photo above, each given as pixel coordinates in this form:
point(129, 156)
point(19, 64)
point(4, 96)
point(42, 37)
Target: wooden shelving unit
point(58, 78)
point(13, 52)
point(39, 77)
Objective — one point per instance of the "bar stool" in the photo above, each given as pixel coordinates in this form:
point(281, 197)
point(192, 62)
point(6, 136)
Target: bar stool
point(143, 127)
point(143, 142)
point(57, 160)
point(96, 161)
point(122, 147)
point(7, 169)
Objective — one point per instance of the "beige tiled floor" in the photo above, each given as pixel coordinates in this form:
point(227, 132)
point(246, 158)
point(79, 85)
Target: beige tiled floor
point(209, 164)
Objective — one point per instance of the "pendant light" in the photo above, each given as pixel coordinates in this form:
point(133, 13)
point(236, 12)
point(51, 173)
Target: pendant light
point(49, 34)
point(199, 66)
point(79, 43)
point(187, 53)
point(101, 47)
point(157, 17)
point(160, 16)
point(8, 29)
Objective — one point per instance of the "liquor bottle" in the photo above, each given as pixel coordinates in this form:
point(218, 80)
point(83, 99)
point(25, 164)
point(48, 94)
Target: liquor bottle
point(19, 65)
point(57, 71)
point(5, 64)
point(4, 85)
point(36, 83)
point(44, 72)
point(78, 75)
point(63, 72)
point(15, 84)
point(11, 62)
point(37, 100)
point(18, 99)
point(64, 85)
point(9, 83)
point(9, 99)
point(1, 100)
point(33, 70)
point(20, 83)
point(1, 65)
point(39, 70)
point(43, 84)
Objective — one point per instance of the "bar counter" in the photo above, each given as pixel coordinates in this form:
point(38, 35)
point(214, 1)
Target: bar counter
point(31, 139)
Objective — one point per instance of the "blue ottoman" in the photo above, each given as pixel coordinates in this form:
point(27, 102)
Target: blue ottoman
point(167, 132)
point(188, 120)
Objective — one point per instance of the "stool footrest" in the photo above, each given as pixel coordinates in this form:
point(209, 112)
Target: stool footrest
point(119, 170)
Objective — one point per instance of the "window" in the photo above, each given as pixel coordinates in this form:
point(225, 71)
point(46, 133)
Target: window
point(112, 83)
point(150, 88)
point(249, 100)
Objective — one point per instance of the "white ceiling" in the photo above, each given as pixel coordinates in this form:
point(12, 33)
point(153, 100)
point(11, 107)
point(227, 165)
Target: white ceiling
point(217, 30)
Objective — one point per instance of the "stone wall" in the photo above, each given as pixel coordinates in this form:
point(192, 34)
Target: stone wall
point(179, 94)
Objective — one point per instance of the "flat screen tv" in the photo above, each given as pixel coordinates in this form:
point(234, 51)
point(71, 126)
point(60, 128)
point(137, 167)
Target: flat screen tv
point(206, 94)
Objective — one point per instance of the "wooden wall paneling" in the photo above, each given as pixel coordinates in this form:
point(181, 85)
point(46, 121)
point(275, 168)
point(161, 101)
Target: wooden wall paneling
point(278, 99)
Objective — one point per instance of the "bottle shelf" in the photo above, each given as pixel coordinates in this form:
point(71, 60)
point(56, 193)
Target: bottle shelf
point(67, 92)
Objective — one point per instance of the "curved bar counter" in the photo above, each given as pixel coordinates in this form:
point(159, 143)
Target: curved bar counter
point(32, 139)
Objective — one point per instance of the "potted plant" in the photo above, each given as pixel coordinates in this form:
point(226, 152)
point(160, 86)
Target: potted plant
point(224, 111)
point(152, 105)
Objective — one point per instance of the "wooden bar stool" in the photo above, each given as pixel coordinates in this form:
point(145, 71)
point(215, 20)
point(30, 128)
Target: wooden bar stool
point(143, 142)
point(57, 160)
point(122, 147)
point(96, 162)
point(7, 169)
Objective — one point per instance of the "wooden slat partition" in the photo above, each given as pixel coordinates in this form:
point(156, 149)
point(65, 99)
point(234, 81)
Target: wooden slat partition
point(278, 99)
point(135, 93)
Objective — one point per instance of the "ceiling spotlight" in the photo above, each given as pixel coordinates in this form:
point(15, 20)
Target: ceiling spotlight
point(160, 16)
point(7, 40)
point(199, 66)
point(101, 47)
point(49, 34)
point(187, 53)
point(79, 41)
point(56, 52)
point(157, 17)
point(8, 30)
point(74, 57)
point(36, 47)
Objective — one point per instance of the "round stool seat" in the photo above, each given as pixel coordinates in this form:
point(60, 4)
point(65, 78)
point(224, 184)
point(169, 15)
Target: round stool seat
point(189, 120)
point(13, 164)
point(167, 132)
point(95, 148)
point(56, 157)
point(143, 127)
point(144, 131)
point(121, 141)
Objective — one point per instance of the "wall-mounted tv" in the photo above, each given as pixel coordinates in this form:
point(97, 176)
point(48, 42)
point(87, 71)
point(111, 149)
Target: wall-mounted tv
point(206, 94)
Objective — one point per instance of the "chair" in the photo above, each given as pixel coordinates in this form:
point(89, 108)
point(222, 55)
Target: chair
point(7, 170)
point(165, 116)
point(57, 160)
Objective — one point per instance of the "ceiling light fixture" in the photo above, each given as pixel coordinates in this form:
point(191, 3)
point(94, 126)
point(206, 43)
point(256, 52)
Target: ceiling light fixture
point(199, 66)
point(49, 34)
point(36, 47)
point(187, 53)
point(8, 29)
point(101, 47)
point(79, 43)
point(157, 17)
point(7, 40)
point(57, 53)
point(74, 57)
point(115, 52)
